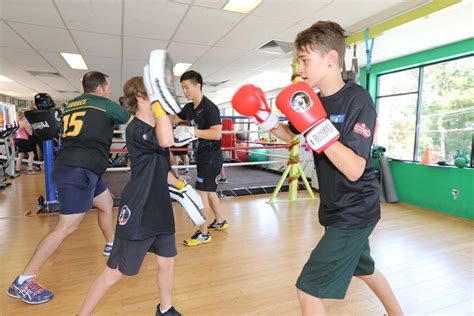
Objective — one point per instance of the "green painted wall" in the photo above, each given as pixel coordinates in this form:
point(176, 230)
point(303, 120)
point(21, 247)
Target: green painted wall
point(429, 186)
point(432, 187)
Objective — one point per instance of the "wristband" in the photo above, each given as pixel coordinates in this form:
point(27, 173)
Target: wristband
point(180, 184)
point(158, 109)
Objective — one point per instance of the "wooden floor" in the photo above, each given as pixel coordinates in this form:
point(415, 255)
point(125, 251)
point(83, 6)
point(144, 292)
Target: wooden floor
point(251, 268)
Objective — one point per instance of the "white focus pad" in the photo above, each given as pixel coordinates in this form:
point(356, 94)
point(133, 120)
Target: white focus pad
point(183, 135)
point(161, 81)
point(190, 202)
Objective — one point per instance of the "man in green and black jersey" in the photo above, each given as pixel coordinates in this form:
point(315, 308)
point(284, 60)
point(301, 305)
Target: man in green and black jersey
point(87, 135)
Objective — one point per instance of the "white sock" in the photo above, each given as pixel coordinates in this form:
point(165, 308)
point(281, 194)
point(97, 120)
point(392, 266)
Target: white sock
point(164, 311)
point(110, 244)
point(23, 278)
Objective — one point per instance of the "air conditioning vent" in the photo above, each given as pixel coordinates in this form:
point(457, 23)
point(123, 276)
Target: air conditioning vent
point(215, 83)
point(276, 47)
point(72, 92)
point(45, 74)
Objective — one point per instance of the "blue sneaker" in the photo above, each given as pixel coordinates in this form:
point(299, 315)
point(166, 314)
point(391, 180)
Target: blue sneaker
point(30, 291)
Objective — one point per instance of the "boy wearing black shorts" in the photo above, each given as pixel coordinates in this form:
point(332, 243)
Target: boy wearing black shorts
point(145, 221)
point(204, 115)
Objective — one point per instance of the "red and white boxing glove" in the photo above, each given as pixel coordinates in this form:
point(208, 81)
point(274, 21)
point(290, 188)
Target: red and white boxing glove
point(250, 100)
point(304, 110)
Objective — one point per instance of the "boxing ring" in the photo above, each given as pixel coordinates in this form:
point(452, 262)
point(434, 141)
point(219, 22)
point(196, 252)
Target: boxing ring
point(254, 162)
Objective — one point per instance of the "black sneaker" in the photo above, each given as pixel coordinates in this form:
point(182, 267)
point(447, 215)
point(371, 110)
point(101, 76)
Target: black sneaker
point(222, 180)
point(170, 312)
point(218, 226)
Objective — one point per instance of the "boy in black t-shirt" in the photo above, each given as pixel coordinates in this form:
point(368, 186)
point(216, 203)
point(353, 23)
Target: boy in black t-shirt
point(349, 192)
point(206, 125)
point(145, 221)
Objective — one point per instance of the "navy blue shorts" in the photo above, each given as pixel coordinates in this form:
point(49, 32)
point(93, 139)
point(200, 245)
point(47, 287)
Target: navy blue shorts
point(76, 188)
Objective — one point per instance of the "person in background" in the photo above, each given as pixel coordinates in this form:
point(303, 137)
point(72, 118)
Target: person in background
point(25, 144)
point(177, 155)
point(205, 120)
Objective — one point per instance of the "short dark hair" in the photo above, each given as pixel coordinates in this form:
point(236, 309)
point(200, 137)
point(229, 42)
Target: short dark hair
point(192, 75)
point(92, 80)
point(323, 36)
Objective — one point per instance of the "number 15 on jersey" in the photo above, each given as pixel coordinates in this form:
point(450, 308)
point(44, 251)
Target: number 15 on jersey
point(73, 124)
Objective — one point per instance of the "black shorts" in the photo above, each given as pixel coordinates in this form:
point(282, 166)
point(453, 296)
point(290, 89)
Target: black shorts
point(127, 255)
point(25, 145)
point(76, 188)
point(208, 170)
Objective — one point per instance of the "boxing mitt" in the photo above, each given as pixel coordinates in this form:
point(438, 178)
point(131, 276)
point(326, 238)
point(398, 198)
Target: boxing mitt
point(190, 202)
point(250, 100)
point(304, 110)
point(159, 81)
point(183, 135)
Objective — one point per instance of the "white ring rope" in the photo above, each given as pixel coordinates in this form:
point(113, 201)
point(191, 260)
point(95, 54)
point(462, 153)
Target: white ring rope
point(261, 154)
point(227, 164)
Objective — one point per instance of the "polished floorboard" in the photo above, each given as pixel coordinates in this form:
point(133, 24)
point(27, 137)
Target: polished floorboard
point(251, 268)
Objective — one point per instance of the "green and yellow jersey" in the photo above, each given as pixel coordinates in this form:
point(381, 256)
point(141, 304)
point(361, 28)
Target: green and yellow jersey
point(88, 122)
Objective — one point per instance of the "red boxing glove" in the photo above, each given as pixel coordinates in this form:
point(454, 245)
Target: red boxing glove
point(304, 110)
point(250, 101)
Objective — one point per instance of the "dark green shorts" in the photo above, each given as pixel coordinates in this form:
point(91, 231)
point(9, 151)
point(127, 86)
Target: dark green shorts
point(339, 255)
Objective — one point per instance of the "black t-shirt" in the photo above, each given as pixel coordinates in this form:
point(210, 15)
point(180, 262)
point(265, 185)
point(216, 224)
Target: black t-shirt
point(88, 122)
point(345, 203)
point(145, 207)
point(205, 115)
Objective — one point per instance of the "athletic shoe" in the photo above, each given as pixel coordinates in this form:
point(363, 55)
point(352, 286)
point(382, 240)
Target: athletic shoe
point(32, 172)
point(186, 171)
point(218, 226)
point(197, 239)
point(170, 312)
point(107, 250)
point(222, 180)
point(30, 291)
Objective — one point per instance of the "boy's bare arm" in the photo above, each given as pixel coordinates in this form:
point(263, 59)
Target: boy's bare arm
point(283, 132)
point(164, 131)
point(346, 160)
point(212, 133)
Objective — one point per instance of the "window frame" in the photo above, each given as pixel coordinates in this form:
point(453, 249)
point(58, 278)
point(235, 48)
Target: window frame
point(419, 92)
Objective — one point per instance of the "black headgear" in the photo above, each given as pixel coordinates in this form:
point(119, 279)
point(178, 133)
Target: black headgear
point(43, 101)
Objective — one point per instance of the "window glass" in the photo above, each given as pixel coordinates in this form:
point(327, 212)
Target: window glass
point(447, 112)
point(399, 82)
point(397, 125)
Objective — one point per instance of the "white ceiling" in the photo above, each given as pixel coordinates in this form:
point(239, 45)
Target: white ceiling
point(116, 36)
